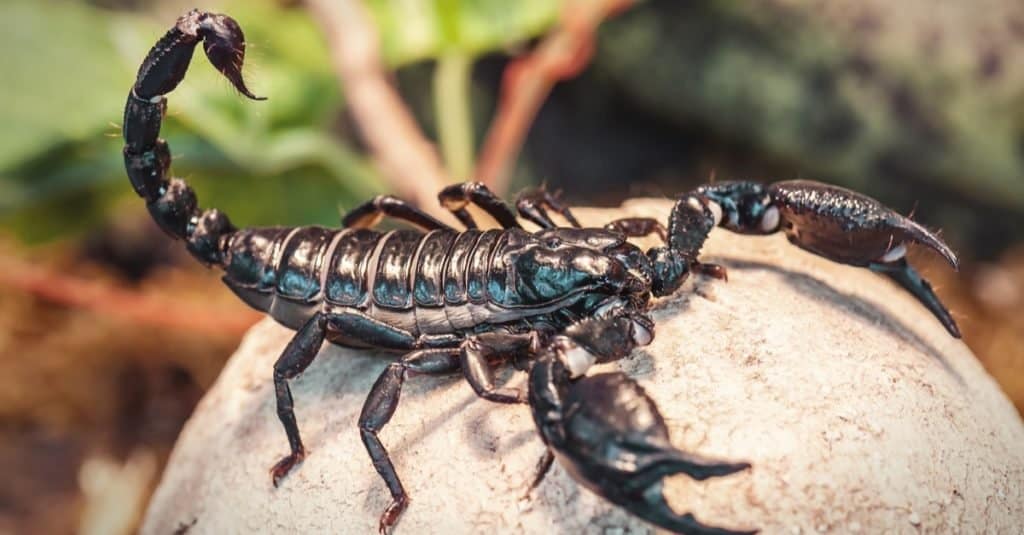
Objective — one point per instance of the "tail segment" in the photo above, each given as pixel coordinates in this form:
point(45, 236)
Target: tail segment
point(147, 158)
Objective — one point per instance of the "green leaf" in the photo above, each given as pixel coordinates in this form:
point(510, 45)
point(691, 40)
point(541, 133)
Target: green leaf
point(413, 30)
point(271, 162)
point(63, 78)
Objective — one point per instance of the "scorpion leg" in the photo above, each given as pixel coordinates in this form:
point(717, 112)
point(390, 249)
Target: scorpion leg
point(454, 198)
point(371, 212)
point(606, 431)
point(480, 351)
point(533, 205)
point(297, 356)
point(835, 223)
point(638, 227)
point(380, 406)
point(348, 325)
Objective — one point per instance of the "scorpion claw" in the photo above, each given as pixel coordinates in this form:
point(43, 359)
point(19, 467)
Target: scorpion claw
point(913, 231)
point(657, 507)
point(829, 221)
point(907, 277)
point(609, 435)
point(854, 229)
point(847, 227)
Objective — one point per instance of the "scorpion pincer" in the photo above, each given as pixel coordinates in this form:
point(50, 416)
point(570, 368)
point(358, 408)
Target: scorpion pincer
point(551, 302)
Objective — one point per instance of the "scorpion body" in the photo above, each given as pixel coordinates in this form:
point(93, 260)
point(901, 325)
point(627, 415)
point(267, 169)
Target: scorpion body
point(404, 290)
point(410, 289)
point(551, 302)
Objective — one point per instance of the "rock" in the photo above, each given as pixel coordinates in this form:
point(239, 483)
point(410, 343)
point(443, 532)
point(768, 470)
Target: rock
point(856, 408)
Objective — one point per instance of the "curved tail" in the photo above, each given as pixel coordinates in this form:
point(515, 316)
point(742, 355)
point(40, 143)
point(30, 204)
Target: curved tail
point(147, 158)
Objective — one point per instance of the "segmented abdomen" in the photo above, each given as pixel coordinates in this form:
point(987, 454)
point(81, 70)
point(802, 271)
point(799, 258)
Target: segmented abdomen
point(415, 281)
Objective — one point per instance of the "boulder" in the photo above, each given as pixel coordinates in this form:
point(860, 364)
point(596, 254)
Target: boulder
point(856, 408)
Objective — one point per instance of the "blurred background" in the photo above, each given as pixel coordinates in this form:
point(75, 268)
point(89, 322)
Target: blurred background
point(110, 332)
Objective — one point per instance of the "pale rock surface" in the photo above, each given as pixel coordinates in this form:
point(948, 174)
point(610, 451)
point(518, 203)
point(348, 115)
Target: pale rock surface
point(857, 410)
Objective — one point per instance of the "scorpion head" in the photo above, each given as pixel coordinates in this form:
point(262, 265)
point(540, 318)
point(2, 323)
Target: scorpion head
point(548, 274)
point(567, 261)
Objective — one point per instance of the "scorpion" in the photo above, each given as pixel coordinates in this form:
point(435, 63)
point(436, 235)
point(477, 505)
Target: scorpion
point(550, 303)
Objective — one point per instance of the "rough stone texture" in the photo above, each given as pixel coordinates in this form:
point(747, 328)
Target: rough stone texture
point(855, 407)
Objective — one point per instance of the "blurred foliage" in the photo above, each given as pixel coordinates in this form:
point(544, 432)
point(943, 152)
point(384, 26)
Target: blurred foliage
point(293, 159)
point(413, 30)
point(66, 172)
point(899, 100)
point(76, 384)
point(50, 89)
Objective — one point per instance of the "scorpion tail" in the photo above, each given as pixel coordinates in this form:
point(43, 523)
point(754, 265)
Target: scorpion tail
point(147, 158)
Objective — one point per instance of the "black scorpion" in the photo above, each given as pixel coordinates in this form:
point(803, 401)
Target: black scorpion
point(551, 302)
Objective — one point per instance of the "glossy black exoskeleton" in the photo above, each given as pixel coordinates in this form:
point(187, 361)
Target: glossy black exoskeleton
point(553, 302)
